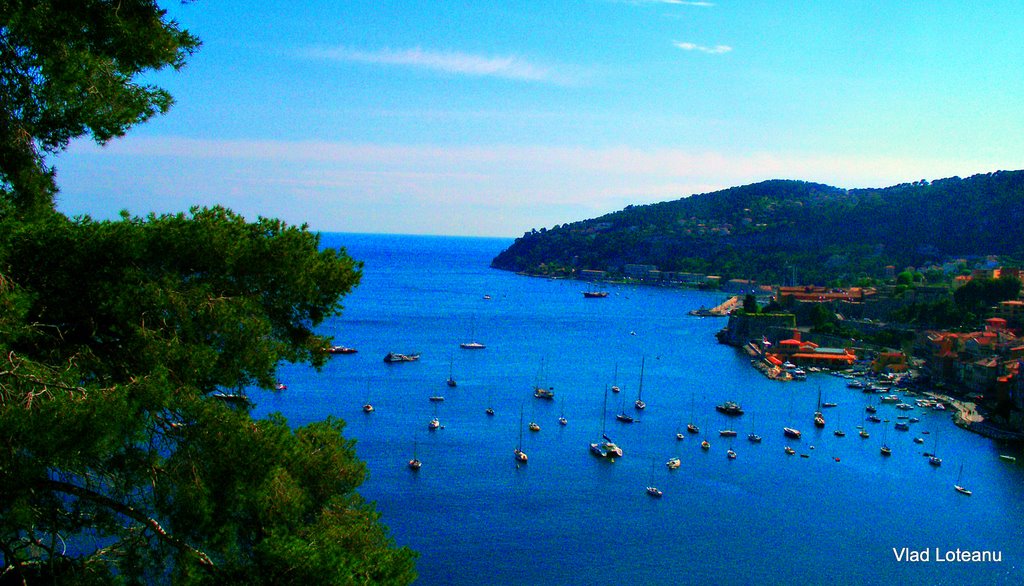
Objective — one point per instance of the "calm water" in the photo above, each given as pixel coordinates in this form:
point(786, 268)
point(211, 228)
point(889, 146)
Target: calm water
point(567, 517)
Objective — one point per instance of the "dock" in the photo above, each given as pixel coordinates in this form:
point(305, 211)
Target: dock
point(721, 310)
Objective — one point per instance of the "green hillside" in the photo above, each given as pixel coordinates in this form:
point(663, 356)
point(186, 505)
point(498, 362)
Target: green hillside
point(765, 230)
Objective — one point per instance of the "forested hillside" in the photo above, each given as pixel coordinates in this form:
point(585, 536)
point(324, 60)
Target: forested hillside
point(762, 230)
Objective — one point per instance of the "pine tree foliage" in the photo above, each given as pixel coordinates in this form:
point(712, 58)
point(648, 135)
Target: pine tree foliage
point(127, 451)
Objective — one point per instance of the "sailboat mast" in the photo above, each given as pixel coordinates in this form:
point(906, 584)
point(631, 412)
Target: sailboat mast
point(640, 392)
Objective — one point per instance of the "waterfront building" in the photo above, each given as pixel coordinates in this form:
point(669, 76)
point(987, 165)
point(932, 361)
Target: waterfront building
point(799, 352)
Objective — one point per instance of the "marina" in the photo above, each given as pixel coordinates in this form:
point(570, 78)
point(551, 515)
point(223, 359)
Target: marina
point(495, 511)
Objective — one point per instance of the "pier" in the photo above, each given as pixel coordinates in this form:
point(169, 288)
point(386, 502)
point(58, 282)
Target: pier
point(721, 310)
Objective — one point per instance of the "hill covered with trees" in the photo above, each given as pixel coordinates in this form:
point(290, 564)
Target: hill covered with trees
point(765, 230)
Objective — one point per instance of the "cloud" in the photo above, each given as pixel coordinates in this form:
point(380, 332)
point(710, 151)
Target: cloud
point(716, 50)
point(452, 62)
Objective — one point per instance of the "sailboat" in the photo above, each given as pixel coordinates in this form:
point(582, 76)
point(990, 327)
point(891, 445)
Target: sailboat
point(435, 423)
point(885, 449)
point(539, 391)
point(561, 418)
point(819, 419)
point(753, 437)
point(838, 432)
point(691, 427)
point(519, 453)
point(622, 415)
point(605, 447)
point(451, 365)
point(367, 407)
point(639, 403)
point(934, 459)
point(651, 489)
point(791, 432)
point(489, 410)
point(474, 345)
point(959, 487)
point(415, 463)
point(615, 379)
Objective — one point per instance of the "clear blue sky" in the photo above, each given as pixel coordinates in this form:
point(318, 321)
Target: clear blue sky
point(492, 118)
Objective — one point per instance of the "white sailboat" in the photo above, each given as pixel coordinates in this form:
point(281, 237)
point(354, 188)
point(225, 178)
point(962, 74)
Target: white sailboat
point(519, 453)
point(959, 487)
point(605, 447)
point(652, 490)
point(639, 403)
point(473, 345)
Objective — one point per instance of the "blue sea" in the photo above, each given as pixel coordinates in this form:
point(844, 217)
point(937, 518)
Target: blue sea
point(567, 517)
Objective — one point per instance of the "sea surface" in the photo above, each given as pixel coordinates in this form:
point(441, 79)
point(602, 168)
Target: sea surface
point(567, 517)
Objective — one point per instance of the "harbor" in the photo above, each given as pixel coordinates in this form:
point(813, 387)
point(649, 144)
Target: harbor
point(496, 510)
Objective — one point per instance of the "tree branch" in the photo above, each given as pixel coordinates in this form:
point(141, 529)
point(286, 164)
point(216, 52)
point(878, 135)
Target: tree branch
point(130, 512)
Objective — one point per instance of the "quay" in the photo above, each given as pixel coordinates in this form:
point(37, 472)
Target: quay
point(721, 310)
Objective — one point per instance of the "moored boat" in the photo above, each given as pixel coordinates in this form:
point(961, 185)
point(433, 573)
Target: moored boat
point(415, 463)
point(791, 432)
point(730, 408)
point(673, 463)
point(392, 357)
point(340, 350)
point(472, 346)
point(519, 454)
point(605, 447)
point(789, 451)
point(727, 432)
point(959, 487)
point(639, 403)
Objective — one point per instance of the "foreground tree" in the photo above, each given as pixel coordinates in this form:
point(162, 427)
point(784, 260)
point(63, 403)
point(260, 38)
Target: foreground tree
point(126, 452)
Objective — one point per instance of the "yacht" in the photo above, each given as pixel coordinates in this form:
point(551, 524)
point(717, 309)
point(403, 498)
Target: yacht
point(790, 432)
point(730, 408)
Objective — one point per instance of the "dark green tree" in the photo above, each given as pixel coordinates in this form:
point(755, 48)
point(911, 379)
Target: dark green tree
point(127, 454)
point(750, 304)
point(71, 69)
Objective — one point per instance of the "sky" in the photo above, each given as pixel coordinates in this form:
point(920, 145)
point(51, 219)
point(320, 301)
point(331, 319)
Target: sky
point(492, 118)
